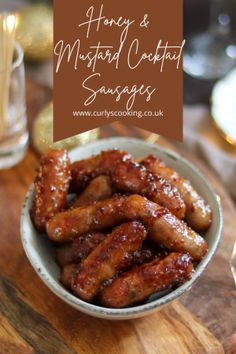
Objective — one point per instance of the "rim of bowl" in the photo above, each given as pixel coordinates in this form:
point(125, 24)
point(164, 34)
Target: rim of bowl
point(128, 312)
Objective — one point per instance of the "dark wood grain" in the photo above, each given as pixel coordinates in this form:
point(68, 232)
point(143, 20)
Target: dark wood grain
point(167, 331)
point(33, 333)
point(30, 325)
point(10, 340)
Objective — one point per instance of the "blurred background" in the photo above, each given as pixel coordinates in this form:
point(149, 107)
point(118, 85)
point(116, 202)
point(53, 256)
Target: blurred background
point(209, 78)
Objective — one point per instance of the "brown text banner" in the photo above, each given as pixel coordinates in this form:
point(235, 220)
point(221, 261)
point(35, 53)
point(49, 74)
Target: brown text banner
point(118, 60)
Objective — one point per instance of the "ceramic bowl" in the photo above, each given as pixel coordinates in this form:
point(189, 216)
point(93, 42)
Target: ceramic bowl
point(40, 251)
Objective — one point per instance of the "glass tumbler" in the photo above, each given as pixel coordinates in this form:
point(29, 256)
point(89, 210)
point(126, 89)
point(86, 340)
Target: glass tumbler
point(13, 121)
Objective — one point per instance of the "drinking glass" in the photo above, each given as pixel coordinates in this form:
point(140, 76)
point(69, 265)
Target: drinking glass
point(13, 121)
point(211, 54)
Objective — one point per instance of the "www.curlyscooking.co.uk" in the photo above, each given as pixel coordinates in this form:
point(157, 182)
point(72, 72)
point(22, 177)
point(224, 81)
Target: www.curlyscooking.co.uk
point(125, 114)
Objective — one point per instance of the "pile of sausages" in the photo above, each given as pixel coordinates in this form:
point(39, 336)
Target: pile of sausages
point(125, 229)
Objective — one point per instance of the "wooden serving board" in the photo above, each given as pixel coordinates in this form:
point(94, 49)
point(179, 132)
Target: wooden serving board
point(25, 330)
point(34, 320)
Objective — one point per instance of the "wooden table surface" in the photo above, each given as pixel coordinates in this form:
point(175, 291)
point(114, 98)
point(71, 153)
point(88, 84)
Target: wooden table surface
point(31, 314)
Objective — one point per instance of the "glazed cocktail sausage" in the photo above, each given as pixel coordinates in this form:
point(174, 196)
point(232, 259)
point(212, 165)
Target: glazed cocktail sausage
point(127, 176)
point(198, 212)
point(80, 221)
point(134, 178)
point(83, 246)
point(108, 258)
point(164, 228)
point(50, 187)
point(84, 171)
point(98, 189)
point(142, 281)
point(79, 249)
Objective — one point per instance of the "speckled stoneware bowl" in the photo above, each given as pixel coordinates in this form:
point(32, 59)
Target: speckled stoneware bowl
point(40, 250)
